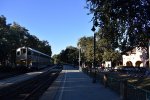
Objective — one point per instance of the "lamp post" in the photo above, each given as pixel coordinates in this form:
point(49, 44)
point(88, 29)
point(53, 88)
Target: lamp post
point(94, 44)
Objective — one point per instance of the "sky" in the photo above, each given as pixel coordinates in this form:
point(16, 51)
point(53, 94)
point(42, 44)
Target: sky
point(61, 22)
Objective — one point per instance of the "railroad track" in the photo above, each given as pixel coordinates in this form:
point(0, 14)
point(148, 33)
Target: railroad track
point(8, 74)
point(4, 74)
point(31, 89)
point(38, 91)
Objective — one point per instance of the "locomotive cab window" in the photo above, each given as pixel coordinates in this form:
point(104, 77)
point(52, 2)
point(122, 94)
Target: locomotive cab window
point(23, 51)
point(18, 53)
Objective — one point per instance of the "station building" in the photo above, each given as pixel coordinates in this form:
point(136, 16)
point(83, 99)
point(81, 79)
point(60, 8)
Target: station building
point(137, 56)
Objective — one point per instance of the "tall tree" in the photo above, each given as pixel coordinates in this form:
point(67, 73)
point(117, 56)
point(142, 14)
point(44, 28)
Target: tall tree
point(4, 41)
point(127, 21)
point(105, 49)
point(86, 44)
point(56, 59)
point(69, 55)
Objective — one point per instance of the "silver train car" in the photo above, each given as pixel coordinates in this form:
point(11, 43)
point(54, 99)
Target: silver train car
point(31, 59)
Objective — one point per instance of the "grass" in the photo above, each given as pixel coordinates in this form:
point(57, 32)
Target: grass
point(140, 82)
point(143, 83)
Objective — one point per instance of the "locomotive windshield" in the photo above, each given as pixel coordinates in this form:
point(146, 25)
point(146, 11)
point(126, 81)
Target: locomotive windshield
point(23, 51)
point(18, 53)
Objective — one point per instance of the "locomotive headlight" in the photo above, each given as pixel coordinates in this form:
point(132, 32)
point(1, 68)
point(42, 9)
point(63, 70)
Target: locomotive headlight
point(30, 63)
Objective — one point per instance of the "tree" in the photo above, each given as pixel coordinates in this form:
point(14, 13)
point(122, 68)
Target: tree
point(69, 55)
point(23, 38)
point(113, 56)
point(86, 44)
point(128, 22)
point(56, 59)
point(4, 41)
point(105, 49)
point(44, 47)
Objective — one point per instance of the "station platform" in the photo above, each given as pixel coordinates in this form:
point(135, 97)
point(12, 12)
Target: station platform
point(72, 84)
point(21, 78)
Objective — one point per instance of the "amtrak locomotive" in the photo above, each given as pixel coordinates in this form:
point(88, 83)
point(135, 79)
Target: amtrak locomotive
point(31, 59)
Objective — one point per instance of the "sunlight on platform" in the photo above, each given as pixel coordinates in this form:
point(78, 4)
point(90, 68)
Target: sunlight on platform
point(64, 71)
point(32, 73)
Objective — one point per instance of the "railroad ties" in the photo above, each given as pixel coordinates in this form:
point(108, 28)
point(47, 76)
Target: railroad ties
point(29, 85)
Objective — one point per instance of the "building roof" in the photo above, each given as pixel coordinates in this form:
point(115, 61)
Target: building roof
point(129, 51)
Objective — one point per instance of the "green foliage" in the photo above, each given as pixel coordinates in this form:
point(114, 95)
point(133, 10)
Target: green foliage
point(105, 50)
point(56, 59)
point(86, 44)
point(69, 55)
point(113, 56)
point(126, 23)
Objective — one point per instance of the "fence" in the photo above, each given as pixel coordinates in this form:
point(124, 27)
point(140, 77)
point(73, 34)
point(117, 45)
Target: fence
point(120, 86)
point(134, 93)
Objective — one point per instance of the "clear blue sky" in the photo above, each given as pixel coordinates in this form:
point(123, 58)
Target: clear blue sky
point(60, 22)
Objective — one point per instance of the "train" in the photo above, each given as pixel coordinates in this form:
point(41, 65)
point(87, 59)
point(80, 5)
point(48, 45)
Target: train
point(29, 58)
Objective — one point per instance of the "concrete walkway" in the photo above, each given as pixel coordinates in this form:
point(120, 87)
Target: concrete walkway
point(74, 85)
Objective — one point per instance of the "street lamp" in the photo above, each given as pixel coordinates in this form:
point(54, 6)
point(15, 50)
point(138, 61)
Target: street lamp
point(94, 43)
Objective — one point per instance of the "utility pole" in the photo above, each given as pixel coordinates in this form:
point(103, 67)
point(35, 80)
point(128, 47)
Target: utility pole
point(79, 58)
